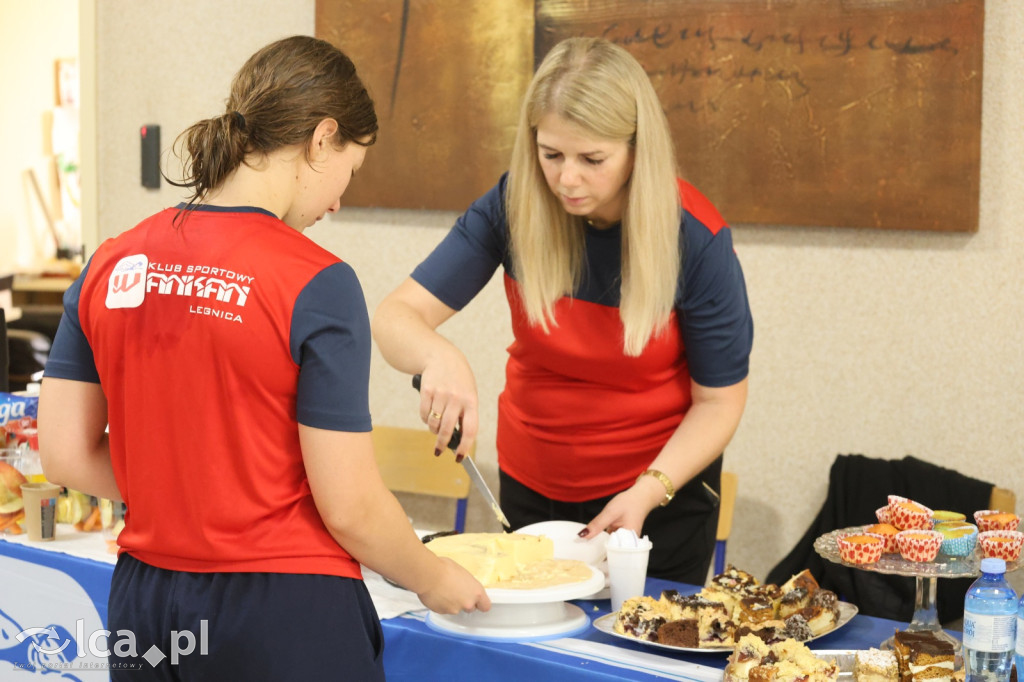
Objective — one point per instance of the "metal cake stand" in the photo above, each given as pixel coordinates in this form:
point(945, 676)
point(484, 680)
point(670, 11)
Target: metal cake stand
point(926, 615)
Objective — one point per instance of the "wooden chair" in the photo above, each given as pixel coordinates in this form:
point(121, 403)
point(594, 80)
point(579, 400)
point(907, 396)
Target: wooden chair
point(407, 465)
point(3, 352)
point(730, 482)
point(1002, 500)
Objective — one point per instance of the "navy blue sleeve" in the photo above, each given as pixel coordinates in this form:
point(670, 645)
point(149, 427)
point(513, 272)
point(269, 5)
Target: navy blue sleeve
point(718, 330)
point(71, 355)
point(330, 341)
point(465, 260)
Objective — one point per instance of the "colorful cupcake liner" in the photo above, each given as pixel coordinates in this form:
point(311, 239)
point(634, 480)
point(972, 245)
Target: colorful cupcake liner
point(919, 545)
point(961, 546)
point(860, 552)
point(1007, 550)
point(984, 523)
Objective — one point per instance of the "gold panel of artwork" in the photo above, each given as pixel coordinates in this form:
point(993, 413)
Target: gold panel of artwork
point(846, 113)
point(447, 78)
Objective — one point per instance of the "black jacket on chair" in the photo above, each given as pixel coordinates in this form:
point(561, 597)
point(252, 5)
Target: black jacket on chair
point(859, 485)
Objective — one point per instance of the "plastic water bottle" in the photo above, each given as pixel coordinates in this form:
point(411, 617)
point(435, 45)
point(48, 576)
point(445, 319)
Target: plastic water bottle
point(1018, 654)
point(990, 624)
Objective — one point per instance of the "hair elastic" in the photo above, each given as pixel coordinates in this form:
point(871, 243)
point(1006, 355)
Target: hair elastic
point(240, 119)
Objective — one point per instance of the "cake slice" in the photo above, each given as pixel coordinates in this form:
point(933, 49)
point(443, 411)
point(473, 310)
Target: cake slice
point(770, 631)
point(875, 665)
point(755, 661)
point(754, 609)
point(822, 613)
point(804, 579)
point(682, 633)
point(923, 656)
point(714, 630)
point(690, 606)
point(641, 617)
point(794, 601)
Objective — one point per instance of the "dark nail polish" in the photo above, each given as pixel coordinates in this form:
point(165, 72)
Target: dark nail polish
point(459, 458)
point(584, 533)
point(437, 452)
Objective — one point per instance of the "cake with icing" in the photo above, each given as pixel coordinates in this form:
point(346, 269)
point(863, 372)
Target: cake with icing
point(923, 657)
point(510, 560)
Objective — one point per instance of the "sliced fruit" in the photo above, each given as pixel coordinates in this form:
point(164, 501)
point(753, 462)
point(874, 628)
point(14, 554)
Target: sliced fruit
point(106, 513)
point(12, 505)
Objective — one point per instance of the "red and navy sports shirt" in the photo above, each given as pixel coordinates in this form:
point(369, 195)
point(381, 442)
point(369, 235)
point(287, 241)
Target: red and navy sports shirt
point(579, 419)
point(212, 341)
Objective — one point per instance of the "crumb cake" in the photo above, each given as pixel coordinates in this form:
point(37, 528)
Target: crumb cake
point(875, 665)
point(642, 617)
point(753, 660)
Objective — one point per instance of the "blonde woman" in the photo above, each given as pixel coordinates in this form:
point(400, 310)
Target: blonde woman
point(628, 374)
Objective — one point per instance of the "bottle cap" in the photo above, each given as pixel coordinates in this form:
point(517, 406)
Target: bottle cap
point(993, 565)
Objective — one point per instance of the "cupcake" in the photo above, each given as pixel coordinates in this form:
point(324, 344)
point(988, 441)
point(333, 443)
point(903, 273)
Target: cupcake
point(882, 514)
point(958, 538)
point(990, 519)
point(1004, 544)
point(888, 532)
point(909, 515)
point(942, 516)
point(919, 545)
point(860, 548)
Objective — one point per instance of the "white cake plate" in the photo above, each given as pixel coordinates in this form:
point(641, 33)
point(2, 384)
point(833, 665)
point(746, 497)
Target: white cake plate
point(524, 615)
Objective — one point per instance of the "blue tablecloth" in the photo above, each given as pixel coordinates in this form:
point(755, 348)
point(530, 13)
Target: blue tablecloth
point(36, 574)
point(413, 650)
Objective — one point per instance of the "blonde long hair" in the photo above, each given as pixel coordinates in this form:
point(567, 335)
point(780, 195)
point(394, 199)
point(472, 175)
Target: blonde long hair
point(601, 89)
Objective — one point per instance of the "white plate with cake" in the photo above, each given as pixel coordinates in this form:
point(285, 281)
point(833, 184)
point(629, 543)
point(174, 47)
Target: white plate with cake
point(733, 603)
point(527, 585)
point(606, 624)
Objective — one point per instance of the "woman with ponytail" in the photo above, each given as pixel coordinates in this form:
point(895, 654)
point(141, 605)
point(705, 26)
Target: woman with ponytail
point(628, 373)
point(230, 356)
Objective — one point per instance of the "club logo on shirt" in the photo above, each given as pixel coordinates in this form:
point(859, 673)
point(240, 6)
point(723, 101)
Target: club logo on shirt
point(126, 287)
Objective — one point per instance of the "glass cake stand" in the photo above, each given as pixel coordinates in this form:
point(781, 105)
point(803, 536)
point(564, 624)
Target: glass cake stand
point(926, 616)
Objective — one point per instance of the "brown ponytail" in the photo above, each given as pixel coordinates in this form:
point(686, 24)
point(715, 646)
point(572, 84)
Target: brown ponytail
point(277, 99)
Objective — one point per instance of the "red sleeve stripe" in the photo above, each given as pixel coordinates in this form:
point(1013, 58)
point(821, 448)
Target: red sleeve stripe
point(697, 205)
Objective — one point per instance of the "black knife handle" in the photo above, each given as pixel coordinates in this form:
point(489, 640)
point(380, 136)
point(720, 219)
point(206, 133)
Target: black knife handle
point(457, 433)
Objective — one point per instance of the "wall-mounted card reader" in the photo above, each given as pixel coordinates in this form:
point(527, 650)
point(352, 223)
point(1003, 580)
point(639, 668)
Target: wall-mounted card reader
point(150, 138)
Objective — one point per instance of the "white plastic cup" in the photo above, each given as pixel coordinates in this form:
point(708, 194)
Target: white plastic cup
point(627, 571)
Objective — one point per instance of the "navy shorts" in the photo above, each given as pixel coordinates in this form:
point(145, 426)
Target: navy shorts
point(682, 533)
point(240, 626)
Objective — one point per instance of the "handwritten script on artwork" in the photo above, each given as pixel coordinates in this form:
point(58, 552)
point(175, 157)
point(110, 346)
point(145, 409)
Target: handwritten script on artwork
point(849, 114)
point(845, 113)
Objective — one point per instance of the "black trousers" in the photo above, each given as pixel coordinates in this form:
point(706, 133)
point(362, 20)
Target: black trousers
point(682, 533)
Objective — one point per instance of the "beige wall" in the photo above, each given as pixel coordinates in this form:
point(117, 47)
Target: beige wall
point(869, 342)
point(32, 36)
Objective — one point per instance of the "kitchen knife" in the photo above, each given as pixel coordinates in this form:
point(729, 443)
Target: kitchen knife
point(474, 473)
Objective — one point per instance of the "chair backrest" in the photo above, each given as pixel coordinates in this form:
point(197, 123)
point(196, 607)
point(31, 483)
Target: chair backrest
point(407, 464)
point(4, 361)
point(1003, 500)
point(726, 505)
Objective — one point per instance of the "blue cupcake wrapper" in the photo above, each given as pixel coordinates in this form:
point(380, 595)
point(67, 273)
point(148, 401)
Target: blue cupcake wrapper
point(961, 546)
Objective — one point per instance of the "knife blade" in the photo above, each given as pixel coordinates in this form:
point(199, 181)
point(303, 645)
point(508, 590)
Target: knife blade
point(474, 473)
